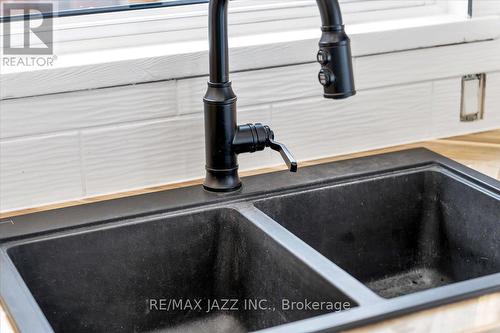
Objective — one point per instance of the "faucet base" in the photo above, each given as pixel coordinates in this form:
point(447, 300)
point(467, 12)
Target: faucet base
point(222, 180)
point(220, 130)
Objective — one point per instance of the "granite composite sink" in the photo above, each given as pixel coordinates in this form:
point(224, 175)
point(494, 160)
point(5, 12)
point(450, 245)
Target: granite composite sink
point(363, 239)
point(398, 234)
point(126, 278)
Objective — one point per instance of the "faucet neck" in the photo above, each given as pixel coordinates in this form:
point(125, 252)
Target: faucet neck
point(331, 16)
point(331, 19)
point(218, 40)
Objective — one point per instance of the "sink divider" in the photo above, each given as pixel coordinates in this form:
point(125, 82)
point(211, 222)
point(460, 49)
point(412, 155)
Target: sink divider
point(309, 256)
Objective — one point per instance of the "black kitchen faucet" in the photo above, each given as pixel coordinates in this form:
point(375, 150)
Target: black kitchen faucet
point(224, 139)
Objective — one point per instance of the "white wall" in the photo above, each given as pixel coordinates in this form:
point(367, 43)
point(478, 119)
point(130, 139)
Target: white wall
point(72, 145)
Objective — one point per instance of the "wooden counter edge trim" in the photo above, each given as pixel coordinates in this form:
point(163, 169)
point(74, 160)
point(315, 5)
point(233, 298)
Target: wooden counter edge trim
point(9, 326)
point(479, 314)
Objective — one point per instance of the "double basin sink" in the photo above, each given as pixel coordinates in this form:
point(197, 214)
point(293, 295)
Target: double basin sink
point(336, 246)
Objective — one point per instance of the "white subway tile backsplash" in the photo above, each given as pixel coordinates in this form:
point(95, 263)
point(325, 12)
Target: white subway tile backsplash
point(124, 157)
point(190, 94)
point(315, 127)
point(61, 112)
point(40, 170)
point(446, 107)
point(67, 146)
point(255, 87)
point(422, 65)
point(277, 84)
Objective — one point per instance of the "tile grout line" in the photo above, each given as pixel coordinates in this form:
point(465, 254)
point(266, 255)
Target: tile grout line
point(83, 174)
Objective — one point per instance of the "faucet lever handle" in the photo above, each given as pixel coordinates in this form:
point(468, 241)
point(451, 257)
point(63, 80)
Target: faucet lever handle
point(285, 154)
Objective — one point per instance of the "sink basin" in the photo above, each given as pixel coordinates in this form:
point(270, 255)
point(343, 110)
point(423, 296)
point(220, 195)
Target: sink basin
point(332, 247)
point(125, 278)
point(398, 234)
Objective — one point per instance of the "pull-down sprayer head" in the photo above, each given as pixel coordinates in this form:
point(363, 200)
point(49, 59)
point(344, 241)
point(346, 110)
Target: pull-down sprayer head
point(334, 54)
point(336, 66)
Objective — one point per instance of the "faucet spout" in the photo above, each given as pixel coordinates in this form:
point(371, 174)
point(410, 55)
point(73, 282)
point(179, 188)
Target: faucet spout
point(224, 139)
